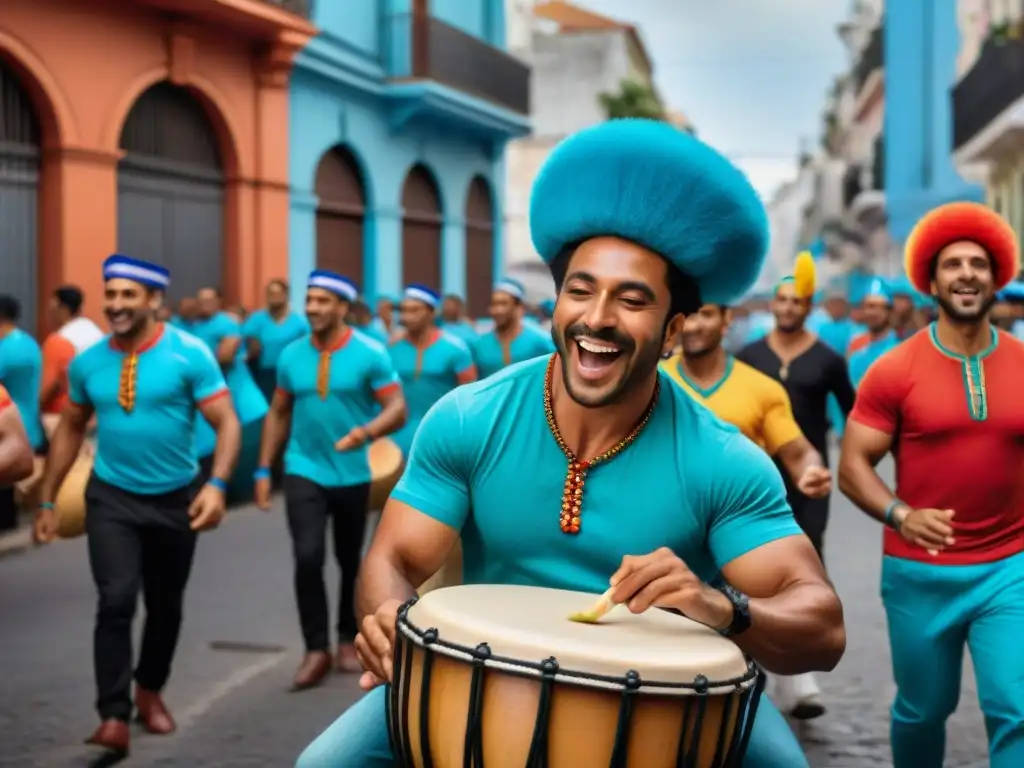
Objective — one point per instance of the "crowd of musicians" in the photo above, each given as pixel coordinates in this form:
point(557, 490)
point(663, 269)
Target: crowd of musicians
point(182, 407)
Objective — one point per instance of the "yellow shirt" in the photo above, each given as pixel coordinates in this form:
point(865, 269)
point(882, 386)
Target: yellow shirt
point(746, 398)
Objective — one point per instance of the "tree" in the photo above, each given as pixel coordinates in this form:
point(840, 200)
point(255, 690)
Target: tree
point(632, 99)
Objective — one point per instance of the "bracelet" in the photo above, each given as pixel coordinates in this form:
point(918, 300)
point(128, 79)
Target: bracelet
point(262, 473)
point(890, 516)
point(46, 505)
point(217, 483)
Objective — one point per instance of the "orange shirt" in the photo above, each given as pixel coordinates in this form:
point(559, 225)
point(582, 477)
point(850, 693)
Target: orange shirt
point(59, 350)
point(5, 399)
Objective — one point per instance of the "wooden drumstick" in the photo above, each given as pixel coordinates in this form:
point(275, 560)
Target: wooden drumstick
point(597, 611)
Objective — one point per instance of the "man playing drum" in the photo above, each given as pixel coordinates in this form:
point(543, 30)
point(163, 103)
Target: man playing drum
point(338, 392)
point(145, 502)
point(946, 403)
point(16, 460)
point(568, 470)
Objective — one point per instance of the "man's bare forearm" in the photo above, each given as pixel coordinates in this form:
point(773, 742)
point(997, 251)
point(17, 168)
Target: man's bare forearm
point(275, 429)
point(64, 448)
point(229, 444)
point(800, 629)
point(861, 484)
point(380, 581)
point(16, 460)
point(390, 419)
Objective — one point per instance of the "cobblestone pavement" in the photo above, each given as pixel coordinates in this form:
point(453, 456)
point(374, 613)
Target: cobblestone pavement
point(233, 707)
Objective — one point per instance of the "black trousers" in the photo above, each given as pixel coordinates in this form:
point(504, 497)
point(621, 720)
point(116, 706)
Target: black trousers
point(136, 543)
point(812, 516)
point(310, 506)
point(8, 510)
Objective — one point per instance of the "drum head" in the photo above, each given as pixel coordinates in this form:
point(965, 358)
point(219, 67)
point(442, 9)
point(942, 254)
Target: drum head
point(530, 624)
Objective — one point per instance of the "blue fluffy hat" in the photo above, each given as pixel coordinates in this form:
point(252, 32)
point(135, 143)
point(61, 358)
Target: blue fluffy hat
point(650, 183)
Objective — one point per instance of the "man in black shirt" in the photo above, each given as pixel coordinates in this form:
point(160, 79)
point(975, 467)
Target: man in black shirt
point(810, 371)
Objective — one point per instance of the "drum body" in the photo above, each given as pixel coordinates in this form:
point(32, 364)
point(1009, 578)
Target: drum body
point(497, 676)
point(70, 503)
point(386, 464)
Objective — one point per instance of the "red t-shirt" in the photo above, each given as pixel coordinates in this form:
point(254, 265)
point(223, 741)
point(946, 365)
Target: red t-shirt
point(949, 453)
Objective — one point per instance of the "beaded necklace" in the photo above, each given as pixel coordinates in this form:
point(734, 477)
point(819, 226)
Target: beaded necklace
point(576, 474)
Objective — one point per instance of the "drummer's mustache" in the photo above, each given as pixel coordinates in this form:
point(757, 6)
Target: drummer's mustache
point(608, 335)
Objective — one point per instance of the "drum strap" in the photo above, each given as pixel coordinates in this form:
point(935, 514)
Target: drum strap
point(474, 751)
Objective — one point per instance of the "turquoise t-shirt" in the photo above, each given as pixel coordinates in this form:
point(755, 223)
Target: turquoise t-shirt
point(181, 323)
point(250, 405)
point(490, 356)
point(273, 335)
point(150, 449)
point(21, 373)
point(360, 372)
point(485, 463)
point(462, 330)
point(427, 375)
point(862, 359)
point(836, 334)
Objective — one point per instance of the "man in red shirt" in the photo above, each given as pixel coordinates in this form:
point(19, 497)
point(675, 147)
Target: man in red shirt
point(947, 403)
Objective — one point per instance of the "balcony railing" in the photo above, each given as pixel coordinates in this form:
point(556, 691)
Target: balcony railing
point(994, 83)
point(423, 48)
point(872, 57)
point(301, 8)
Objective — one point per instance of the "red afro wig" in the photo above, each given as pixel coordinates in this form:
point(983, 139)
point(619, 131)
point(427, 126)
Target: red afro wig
point(956, 222)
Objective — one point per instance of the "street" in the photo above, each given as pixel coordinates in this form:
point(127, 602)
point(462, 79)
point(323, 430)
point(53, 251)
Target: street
point(241, 643)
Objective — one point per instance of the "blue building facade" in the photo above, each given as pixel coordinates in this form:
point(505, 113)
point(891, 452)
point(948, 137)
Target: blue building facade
point(400, 112)
point(922, 41)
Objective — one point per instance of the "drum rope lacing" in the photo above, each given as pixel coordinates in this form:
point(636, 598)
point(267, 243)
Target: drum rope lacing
point(576, 474)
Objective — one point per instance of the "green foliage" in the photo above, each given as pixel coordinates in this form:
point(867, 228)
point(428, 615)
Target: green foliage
point(632, 99)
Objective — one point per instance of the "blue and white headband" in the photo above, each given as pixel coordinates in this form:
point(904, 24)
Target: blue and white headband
point(513, 288)
point(333, 282)
point(422, 293)
point(137, 270)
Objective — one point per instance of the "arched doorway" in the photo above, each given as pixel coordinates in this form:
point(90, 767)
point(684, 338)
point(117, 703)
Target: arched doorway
point(170, 188)
point(479, 247)
point(19, 194)
point(340, 215)
point(421, 229)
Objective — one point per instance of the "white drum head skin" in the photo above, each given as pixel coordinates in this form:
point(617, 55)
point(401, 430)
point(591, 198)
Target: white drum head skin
point(530, 624)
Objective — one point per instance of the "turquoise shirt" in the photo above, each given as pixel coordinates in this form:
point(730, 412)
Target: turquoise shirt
point(427, 375)
point(150, 449)
point(181, 323)
point(21, 373)
point(862, 359)
point(361, 371)
point(250, 405)
point(836, 334)
point(489, 353)
point(273, 335)
point(375, 331)
point(485, 463)
point(461, 329)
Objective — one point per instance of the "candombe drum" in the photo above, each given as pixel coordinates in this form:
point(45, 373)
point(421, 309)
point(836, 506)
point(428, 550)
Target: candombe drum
point(70, 501)
point(498, 676)
point(386, 464)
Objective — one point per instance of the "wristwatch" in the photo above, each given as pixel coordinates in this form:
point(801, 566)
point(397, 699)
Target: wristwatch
point(740, 611)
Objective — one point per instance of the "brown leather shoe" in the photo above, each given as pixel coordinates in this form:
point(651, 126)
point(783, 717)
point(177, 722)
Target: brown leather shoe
point(153, 713)
point(312, 670)
point(346, 661)
point(112, 735)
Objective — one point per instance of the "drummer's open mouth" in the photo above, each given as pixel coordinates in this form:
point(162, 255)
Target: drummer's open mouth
point(596, 357)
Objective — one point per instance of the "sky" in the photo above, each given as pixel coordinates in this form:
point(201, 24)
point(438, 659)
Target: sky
point(751, 75)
